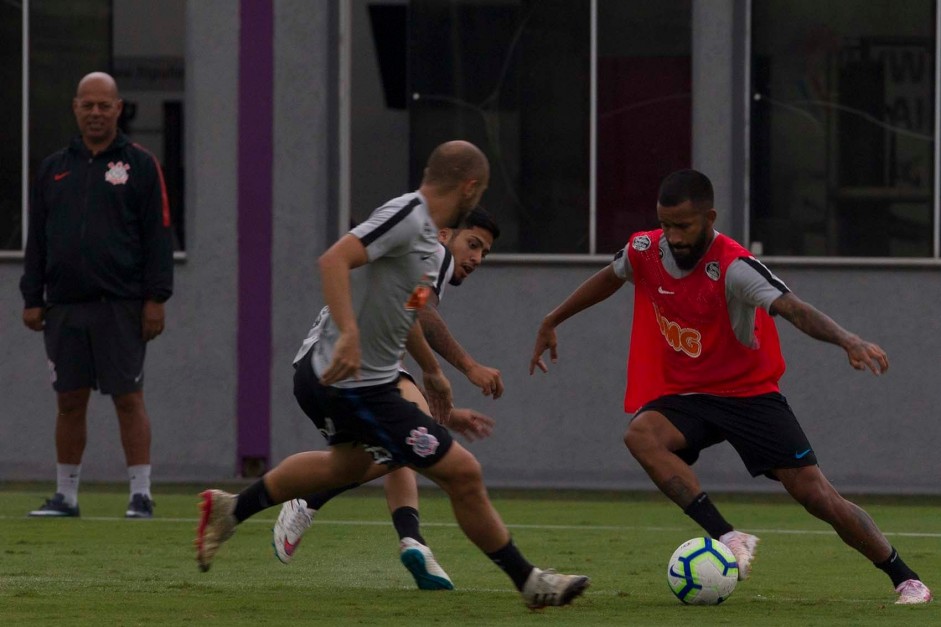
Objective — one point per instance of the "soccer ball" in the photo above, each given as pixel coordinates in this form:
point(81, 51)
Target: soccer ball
point(702, 571)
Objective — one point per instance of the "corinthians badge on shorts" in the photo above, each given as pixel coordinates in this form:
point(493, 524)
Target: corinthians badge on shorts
point(117, 173)
point(422, 442)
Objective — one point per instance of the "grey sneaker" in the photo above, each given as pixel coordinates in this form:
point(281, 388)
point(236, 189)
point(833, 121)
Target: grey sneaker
point(547, 587)
point(141, 506)
point(216, 525)
point(421, 562)
point(288, 530)
point(56, 507)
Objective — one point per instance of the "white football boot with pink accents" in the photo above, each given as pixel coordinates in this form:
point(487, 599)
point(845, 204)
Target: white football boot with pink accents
point(912, 592)
point(743, 546)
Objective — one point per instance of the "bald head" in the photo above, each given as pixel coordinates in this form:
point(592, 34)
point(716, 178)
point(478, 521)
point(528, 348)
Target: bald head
point(455, 162)
point(97, 82)
point(455, 178)
point(97, 108)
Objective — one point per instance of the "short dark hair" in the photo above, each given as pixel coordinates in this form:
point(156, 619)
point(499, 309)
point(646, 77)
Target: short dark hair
point(481, 218)
point(684, 185)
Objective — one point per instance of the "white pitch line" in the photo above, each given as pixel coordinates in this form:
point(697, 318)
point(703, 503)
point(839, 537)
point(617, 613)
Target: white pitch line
point(383, 523)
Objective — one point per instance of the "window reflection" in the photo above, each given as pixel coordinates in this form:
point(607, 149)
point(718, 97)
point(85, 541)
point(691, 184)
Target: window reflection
point(11, 115)
point(843, 128)
point(139, 41)
point(514, 78)
point(644, 111)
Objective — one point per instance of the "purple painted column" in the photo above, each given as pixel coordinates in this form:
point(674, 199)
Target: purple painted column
point(255, 154)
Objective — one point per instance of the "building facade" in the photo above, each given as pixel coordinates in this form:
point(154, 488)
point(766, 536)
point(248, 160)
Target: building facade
point(280, 123)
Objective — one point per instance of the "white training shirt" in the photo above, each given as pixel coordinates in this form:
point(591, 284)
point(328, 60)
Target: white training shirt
point(404, 256)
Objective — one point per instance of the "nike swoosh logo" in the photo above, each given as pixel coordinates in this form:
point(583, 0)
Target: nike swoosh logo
point(424, 257)
point(802, 454)
point(663, 291)
point(675, 574)
point(61, 175)
point(290, 548)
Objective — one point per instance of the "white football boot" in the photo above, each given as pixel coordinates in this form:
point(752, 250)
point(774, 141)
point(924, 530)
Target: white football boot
point(293, 521)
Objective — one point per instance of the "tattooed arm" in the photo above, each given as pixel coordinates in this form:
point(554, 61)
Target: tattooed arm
point(442, 342)
point(818, 325)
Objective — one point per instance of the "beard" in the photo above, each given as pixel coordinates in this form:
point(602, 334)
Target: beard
point(687, 258)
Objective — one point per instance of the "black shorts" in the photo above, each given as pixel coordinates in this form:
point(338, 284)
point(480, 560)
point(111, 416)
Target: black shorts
point(391, 428)
point(96, 345)
point(762, 429)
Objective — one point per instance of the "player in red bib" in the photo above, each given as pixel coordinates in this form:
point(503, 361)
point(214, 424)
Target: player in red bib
point(704, 367)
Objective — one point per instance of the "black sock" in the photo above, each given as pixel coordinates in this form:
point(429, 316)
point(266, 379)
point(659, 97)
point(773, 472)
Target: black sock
point(707, 516)
point(318, 500)
point(406, 523)
point(513, 564)
point(252, 500)
point(897, 570)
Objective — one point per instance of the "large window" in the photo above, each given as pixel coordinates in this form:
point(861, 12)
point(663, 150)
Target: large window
point(843, 129)
point(11, 125)
point(581, 106)
point(138, 41)
point(644, 111)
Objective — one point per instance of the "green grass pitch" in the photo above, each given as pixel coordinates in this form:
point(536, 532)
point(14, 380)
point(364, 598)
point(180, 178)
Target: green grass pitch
point(105, 570)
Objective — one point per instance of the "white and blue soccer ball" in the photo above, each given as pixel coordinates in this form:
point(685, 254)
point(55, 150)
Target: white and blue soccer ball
point(702, 571)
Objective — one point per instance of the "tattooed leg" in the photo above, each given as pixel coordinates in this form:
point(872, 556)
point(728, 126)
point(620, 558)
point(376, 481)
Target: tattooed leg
point(855, 527)
point(651, 439)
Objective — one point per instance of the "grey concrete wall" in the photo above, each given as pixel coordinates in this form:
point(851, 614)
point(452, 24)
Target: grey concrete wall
point(563, 429)
point(192, 370)
point(712, 98)
point(302, 202)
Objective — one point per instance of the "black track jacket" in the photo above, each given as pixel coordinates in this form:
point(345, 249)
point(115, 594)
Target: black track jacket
point(99, 227)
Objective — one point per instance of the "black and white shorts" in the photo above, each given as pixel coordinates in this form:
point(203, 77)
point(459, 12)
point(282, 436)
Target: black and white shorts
point(762, 429)
point(96, 345)
point(376, 417)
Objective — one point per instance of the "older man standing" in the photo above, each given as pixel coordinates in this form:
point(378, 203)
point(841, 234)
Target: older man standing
point(98, 269)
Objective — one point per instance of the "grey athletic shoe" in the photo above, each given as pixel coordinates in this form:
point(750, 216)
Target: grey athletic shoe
point(141, 506)
point(56, 507)
point(421, 562)
point(216, 525)
point(547, 587)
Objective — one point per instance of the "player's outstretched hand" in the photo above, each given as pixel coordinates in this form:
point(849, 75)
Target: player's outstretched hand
point(545, 339)
point(863, 354)
point(471, 424)
point(438, 393)
point(487, 379)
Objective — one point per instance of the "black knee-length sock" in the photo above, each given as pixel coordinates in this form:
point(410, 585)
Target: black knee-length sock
point(897, 570)
point(252, 500)
point(707, 516)
point(512, 562)
point(407, 521)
